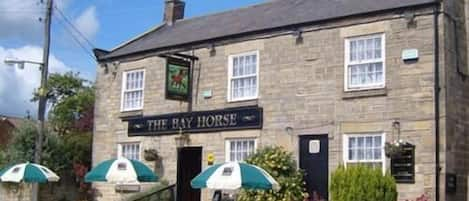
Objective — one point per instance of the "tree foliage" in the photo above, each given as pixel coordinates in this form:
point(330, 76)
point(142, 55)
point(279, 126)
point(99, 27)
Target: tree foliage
point(67, 142)
point(72, 102)
point(280, 164)
point(22, 147)
point(362, 183)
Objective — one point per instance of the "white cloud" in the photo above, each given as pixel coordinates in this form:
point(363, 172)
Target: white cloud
point(20, 18)
point(17, 86)
point(87, 23)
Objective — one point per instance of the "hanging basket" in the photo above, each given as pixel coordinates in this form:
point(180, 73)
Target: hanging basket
point(151, 155)
point(394, 149)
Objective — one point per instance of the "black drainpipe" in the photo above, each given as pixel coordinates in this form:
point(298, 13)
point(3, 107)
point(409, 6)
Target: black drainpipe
point(437, 89)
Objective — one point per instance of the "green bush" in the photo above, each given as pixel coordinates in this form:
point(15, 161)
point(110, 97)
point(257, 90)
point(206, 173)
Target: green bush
point(22, 146)
point(280, 164)
point(362, 183)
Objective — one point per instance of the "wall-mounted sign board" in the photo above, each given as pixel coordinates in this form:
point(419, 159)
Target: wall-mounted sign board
point(196, 122)
point(451, 183)
point(410, 54)
point(403, 165)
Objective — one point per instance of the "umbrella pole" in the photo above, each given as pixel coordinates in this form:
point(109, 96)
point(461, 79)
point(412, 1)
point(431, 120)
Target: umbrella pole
point(119, 195)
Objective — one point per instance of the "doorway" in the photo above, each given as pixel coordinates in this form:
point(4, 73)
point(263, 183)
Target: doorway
point(314, 160)
point(189, 165)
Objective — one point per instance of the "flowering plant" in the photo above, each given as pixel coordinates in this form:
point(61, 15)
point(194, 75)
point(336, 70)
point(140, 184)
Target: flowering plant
point(394, 148)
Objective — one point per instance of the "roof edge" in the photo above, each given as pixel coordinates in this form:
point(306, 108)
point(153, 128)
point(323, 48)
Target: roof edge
point(105, 57)
point(154, 28)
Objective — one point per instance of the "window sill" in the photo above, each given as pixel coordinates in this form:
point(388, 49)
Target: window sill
point(132, 113)
point(243, 100)
point(364, 93)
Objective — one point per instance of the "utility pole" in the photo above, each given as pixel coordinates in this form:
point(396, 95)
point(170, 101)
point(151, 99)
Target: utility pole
point(43, 94)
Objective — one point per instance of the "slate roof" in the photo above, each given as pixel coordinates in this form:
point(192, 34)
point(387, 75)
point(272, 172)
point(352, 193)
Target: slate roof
point(267, 16)
point(14, 121)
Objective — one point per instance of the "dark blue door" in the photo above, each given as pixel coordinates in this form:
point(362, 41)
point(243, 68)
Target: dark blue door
point(314, 160)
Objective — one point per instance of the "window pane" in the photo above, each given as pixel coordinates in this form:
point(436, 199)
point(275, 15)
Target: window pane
point(247, 65)
point(361, 50)
point(235, 66)
point(351, 154)
point(352, 142)
point(127, 81)
point(377, 141)
point(251, 147)
point(254, 64)
point(379, 72)
point(369, 148)
point(241, 66)
point(353, 50)
point(132, 80)
point(239, 151)
point(232, 151)
point(361, 144)
point(370, 49)
point(377, 154)
point(370, 74)
point(378, 48)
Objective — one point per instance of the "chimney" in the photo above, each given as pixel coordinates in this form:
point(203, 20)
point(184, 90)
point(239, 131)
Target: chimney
point(173, 10)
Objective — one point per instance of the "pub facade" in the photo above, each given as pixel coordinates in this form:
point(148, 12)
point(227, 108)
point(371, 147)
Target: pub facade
point(333, 82)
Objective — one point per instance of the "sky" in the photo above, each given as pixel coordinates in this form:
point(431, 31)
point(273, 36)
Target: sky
point(78, 26)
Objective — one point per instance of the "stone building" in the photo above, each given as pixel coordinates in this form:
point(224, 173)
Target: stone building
point(330, 81)
point(7, 125)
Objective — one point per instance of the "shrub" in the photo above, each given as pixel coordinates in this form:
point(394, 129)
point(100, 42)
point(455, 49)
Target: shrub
point(280, 164)
point(362, 183)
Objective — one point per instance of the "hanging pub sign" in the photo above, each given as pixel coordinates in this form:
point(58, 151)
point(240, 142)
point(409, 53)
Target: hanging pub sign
point(403, 165)
point(196, 122)
point(177, 79)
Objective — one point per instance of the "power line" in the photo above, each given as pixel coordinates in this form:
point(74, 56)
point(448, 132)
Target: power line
point(65, 18)
point(86, 50)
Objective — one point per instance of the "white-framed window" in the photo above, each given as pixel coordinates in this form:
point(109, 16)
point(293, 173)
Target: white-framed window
point(365, 66)
point(243, 76)
point(133, 83)
point(129, 150)
point(239, 149)
point(367, 149)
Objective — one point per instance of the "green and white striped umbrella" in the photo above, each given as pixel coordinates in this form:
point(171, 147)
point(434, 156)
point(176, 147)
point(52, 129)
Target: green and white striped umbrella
point(234, 175)
point(121, 170)
point(29, 173)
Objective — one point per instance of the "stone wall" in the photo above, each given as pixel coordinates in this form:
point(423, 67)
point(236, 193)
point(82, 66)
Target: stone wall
point(65, 190)
point(455, 75)
point(301, 86)
point(10, 192)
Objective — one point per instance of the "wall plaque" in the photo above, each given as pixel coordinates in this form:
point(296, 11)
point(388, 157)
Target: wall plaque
point(403, 165)
point(196, 122)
